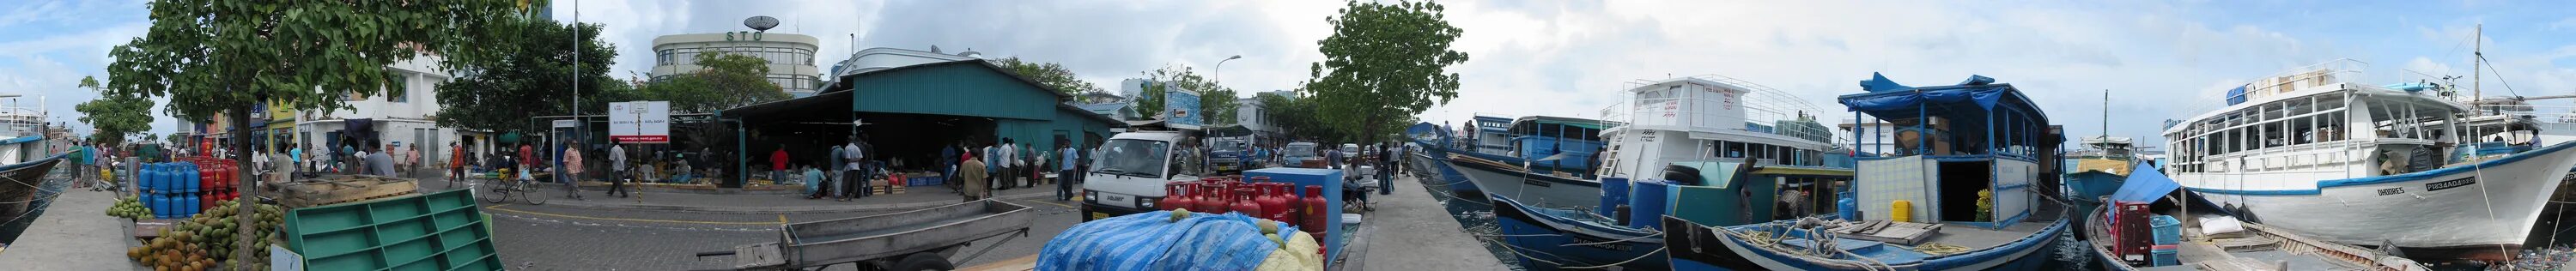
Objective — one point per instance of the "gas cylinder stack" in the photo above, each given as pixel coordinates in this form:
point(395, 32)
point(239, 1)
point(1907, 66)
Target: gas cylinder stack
point(1259, 198)
point(183, 189)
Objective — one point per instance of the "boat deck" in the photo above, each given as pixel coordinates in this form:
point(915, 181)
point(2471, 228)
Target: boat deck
point(1973, 237)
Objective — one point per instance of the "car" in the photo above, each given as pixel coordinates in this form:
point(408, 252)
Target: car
point(1298, 153)
point(1128, 175)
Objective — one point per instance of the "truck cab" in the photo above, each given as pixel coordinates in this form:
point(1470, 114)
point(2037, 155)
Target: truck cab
point(1128, 175)
point(1297, 153)
point(1231, 155)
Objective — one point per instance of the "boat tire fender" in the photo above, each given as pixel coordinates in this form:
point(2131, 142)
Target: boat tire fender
point(1683, 175)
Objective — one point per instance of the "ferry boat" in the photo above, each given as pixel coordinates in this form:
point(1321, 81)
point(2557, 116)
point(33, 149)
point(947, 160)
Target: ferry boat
point(1960, 197)
point(1713, 165)
point(1665, 121)
point(25, 159)
point(2362, 164)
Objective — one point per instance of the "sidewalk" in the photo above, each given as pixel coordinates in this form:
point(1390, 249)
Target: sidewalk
point(74, 234)
point(914, 197)
point(1409, 230)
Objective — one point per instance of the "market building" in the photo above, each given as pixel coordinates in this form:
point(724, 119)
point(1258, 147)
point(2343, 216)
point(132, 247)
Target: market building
point(908, 104)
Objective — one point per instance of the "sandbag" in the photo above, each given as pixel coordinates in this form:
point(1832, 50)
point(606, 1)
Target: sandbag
point(2219, 224)
point(1301, 253)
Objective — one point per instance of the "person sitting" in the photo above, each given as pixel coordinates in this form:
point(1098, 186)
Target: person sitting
point(813, 180)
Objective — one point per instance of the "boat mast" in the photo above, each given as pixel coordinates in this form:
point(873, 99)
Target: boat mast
point(2477, 59)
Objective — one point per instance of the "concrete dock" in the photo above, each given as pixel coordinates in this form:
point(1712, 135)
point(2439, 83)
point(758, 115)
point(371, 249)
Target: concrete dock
point(1411, 231)
point(74, 234)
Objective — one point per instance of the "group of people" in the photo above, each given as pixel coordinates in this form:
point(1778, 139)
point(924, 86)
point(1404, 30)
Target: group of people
point(91, 162)
point(846, 179)
point(1012, 164)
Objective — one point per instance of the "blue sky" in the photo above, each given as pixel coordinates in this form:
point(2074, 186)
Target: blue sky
point(2160, 60)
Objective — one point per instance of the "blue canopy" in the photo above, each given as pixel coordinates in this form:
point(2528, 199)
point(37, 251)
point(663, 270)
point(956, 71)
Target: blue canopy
point(1970, 103)
point(2145, 184)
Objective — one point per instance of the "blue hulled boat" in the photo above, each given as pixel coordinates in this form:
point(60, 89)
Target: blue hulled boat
point(1965, 166)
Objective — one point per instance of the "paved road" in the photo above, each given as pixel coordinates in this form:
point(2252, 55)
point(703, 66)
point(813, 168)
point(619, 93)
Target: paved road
point(552, 237)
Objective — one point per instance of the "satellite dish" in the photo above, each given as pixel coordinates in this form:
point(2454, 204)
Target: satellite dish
point(761, 23)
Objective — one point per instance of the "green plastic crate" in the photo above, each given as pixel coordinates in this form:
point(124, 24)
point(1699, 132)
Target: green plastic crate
point(437, 231)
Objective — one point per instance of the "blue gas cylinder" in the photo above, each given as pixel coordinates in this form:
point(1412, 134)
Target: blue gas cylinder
point(190, 177)
point(148, 178)
point(1847, 208)
point(160, 205)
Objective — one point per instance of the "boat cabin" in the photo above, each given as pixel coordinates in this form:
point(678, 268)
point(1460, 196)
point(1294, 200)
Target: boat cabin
point(2331, 129)
point(1709, 118)
point(1968, 153)
point(1540, 138)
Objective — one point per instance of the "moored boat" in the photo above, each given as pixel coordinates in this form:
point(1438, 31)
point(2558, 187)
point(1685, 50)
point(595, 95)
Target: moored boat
point(2361, 164)
point(1968, 178)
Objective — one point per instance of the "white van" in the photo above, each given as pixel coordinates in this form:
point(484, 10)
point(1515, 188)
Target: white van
point(1127, 176)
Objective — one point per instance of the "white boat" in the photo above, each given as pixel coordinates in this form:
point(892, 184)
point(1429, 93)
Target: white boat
point(1697, 118)
point(2363, 164)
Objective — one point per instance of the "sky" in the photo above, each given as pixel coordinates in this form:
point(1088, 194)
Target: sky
point(2157, 59)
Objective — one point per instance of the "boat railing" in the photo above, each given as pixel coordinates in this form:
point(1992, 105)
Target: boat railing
point(2341, 70)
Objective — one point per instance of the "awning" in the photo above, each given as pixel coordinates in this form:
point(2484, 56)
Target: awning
point(840, 101)
point(2145, 185)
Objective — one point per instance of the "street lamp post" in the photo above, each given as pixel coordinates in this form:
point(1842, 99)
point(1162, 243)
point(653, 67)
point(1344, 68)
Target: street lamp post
point(1220, 67)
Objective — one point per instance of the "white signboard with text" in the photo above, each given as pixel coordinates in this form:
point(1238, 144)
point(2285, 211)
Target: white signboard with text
point(639, 122)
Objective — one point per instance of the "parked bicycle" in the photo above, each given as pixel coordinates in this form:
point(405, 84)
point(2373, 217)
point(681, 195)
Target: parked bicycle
point(503, 185)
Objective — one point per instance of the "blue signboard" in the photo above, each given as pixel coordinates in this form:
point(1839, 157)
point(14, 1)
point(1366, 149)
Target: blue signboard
point(1183, 109)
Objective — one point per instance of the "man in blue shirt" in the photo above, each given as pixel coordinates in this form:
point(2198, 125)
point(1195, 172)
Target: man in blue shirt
point(1065, 170)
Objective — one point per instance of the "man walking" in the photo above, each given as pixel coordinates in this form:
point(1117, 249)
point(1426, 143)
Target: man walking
point(455, 160)
point(1065, 170)
point(992, 158)
point(571, 174)
point(617, 170)
point(973, 169)
point(411, 158)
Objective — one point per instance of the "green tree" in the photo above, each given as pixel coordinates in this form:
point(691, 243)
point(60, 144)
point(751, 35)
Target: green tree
point(1049, 74)
point(210, 56)
point(501, 94)
point(1384, 62)
point(727, 80)
point(1216, 102)
point(113, 116)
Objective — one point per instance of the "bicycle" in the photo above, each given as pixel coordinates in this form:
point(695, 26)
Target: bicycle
point(502, 186)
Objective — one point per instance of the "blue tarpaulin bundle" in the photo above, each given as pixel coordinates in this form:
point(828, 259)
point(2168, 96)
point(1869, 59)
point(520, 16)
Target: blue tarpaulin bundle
point(1151, 241)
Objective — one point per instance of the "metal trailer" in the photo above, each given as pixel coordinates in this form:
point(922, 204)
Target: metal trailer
point(914, 240)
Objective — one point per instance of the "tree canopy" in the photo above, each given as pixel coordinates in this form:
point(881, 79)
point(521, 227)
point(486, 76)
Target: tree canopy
point(212, 56)
point(114, 116)
point(1051, 75)
point(1384, 62)
point(501, 94)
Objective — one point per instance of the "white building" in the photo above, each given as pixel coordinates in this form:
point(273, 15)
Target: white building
point(409, 118)
point(791, 56)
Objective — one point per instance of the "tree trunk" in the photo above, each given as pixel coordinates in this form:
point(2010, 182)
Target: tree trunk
point(243, 220)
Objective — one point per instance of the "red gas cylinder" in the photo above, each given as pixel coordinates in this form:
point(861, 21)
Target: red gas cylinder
point(1287, 203)
point(1174, 197)
point(1209, 200)
point(1264, 195)
point(1244, 204)
point(1315, 210)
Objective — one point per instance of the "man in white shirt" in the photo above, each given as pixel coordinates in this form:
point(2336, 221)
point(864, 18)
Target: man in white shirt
point(852, 171)
point(1010, 163)
point(617, 169)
